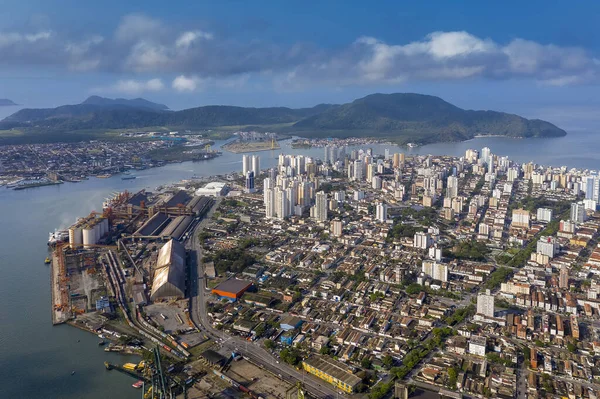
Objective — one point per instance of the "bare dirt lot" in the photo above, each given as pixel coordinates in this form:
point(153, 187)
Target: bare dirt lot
point(261, 382)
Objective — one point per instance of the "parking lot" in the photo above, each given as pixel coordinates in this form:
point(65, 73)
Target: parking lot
point(171, 323)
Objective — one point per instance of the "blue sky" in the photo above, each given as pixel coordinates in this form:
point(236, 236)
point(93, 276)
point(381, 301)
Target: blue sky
point(535, 58)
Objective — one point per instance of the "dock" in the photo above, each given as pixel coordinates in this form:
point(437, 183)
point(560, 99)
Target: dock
point(59, 315)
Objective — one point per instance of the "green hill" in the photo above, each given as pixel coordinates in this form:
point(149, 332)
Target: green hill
point(401, 117)
point(407, 117)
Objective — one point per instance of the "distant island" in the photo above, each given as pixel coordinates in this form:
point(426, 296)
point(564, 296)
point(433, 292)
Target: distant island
point(401, 118)
point(5, 102)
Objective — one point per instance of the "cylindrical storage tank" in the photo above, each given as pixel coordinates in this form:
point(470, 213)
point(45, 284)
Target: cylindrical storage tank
point(75, 236)
point(97, 230)
point(89, 236)
point(104, 225)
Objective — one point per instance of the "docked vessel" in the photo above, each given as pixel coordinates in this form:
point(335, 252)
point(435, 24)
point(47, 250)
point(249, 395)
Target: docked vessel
point(57, 237)
point(138, 384)
point(105, 176)
point(47, 260)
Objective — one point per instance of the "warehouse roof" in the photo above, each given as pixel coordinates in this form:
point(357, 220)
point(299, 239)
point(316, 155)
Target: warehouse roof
point(169, 275)
point(153, 225)
point(333, 368)
point(233, 285)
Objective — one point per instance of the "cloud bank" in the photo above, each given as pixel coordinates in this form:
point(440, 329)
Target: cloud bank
point(189, 58)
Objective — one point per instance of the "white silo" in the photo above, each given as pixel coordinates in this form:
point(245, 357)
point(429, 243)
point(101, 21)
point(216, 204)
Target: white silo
point(75, 235)
point(89, 236)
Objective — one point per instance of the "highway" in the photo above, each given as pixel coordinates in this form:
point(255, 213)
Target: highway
point(250, 350)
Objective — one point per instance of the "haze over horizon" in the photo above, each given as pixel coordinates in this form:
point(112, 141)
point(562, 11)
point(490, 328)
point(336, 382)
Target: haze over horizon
point(544, 64)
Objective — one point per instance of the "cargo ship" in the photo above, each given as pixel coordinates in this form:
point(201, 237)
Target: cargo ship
point(128, 177)
point(57, 237)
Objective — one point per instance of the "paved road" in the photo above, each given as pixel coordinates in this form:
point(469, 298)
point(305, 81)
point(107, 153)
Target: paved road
point(253, 352)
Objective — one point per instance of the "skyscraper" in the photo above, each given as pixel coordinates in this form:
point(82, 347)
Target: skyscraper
point(358, 171)
point(381, 212)
point(578, 212)
point(246, 164)
point(485, 154)
point(563, 281)
point(485, 304)
point(255, 165)
point(250, 182)
point(282, 205)
point(270, 203)
point(452, 187)
point(320, 208)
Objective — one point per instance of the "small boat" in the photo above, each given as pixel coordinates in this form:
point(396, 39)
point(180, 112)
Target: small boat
point(47, 260)
point(138, 384)
point(73, 372)
point(101, 343)
point(128, 177)
point(100, 336)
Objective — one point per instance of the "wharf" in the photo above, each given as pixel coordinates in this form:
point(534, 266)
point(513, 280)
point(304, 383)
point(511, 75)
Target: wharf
point(58, 315)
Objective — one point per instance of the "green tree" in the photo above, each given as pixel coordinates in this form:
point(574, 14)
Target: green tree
point(388, 361)
point(366, 362)
point(269, 344)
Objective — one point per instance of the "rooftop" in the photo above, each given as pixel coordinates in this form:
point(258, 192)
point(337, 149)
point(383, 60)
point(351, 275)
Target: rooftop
point(333, 368)
point(233, 285)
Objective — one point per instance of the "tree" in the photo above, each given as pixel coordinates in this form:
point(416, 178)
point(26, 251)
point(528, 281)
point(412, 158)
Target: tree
point(366, 363)
point(290, 356)
point(388, 361)
point(452, 377)
point(269, 344)
point(571, 347)
point(325, 350)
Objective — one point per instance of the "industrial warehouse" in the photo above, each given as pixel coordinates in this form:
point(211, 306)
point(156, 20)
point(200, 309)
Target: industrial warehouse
point(133, 252)
point(232, 289)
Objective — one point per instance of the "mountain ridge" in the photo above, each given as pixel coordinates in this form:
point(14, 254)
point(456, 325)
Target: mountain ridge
point(399, 117)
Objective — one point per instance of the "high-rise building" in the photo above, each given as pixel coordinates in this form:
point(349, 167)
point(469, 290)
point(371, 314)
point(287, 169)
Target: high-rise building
point(422, 240)
point(358, 170)
point(336, 228)
point(544, 215)
point(547, 246)
point(320, 208)
point(246, 164)
point(377, 183)
point(381, 212)
point(282, 204)
point(563, 280)
point(255, 165)
point(512, 174)
point(520, 218)
point(250, 182)
point(578, 212)
point(452, 187)
point(485, 155)
point(270, 203)
point(435, 270)
point(485, 304)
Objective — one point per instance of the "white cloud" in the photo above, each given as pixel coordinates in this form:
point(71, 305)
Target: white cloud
point(187, 38)
point(14, 38)
point(145, 45)
point(132, 86)
point(183, 83)
point(138, 26)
